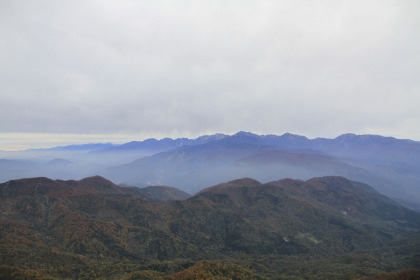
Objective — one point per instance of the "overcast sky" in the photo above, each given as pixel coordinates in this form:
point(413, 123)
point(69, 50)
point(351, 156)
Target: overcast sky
point(128, 70)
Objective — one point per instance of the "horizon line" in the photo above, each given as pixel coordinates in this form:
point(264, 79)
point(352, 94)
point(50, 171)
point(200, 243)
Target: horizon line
point(44, 141)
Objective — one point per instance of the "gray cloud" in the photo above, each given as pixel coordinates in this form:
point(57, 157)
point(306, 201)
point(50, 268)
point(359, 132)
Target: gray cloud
point(318, 68)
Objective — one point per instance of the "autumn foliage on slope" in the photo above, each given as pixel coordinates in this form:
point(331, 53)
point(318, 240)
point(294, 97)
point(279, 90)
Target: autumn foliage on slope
point(405, 275)
point(211, 270)
point(92, 229)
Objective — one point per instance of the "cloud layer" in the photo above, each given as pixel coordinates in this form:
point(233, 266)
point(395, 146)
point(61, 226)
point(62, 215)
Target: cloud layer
point(317, 68)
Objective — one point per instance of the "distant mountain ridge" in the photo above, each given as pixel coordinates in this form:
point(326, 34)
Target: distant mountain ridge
point(151, 144)
point(374, 148)
point(383, 162)
point(79, 147)
point(390, 165)
point(287, 140)
point(162, 144)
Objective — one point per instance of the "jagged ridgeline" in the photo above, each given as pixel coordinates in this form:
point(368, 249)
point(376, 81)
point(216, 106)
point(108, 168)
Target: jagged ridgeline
point(322, 228)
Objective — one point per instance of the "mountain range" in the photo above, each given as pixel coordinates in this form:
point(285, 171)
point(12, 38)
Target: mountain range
point(391, 166)
point(321, 228)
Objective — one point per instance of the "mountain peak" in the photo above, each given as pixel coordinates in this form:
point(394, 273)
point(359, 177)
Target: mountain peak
point(98, 184)
point(346, 136)
point(36, 186)
point(95, 179)
point(234, 184)
point(290, 136)
point(208, 138)
point(245, 134)
point(246, 182)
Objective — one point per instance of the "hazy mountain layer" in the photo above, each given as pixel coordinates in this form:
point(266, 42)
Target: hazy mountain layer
point(391, 166)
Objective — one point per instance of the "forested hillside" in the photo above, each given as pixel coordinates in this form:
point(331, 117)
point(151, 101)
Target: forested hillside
point(95, 229)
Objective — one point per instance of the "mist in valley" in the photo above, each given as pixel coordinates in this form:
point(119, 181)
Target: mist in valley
point(388, 164)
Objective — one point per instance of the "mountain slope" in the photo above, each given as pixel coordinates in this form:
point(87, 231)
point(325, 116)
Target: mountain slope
point(382, 162)
point(191, 167)
point(102, 230)
point(165, 193)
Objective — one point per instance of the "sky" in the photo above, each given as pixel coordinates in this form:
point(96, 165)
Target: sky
point(117, 71)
